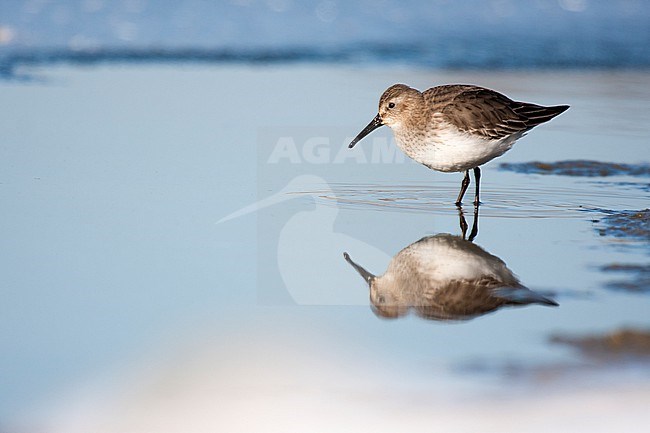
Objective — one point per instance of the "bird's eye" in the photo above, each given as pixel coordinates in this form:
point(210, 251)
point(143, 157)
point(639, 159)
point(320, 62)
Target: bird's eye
point(391, 105)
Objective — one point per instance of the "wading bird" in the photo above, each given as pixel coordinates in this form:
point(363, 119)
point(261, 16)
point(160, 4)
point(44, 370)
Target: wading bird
point(456, 128)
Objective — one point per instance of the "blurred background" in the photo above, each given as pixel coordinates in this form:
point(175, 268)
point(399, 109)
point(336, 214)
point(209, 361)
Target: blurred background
point(439, 33)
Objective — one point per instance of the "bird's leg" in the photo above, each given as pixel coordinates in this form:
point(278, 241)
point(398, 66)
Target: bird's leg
point(462, 222)
point(463, 187)
point(474, 231)
point(477, 180)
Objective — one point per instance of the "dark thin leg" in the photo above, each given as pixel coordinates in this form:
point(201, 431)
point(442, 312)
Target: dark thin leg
point(462, 222)
point(474, 231)
point(463, 187)
point(477, 180)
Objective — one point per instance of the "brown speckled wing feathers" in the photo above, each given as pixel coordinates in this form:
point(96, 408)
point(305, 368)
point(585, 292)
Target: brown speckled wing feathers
point(485, 112)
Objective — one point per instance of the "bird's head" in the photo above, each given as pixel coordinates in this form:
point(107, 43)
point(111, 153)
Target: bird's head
point(383, 299)
point(396, 104)
point(395, 107)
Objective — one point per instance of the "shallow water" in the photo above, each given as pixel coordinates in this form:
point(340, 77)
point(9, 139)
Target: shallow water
point(135, 300)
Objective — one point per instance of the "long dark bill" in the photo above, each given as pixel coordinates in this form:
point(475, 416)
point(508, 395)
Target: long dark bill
point(374, 124)
point(364, 274)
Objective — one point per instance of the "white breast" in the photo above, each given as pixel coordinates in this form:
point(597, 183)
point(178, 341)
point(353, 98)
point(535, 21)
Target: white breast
point(447, 149)
point(446, 262)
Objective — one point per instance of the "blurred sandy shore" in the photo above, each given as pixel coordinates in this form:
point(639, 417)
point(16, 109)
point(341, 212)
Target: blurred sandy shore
point(259, 382)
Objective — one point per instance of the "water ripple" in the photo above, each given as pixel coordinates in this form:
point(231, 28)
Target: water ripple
point(508, 201)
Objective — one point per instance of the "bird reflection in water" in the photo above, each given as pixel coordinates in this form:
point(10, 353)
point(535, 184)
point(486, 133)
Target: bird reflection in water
point(446, 277)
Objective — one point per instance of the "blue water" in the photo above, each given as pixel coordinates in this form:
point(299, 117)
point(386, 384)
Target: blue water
point(112, 180)
point(441, 34)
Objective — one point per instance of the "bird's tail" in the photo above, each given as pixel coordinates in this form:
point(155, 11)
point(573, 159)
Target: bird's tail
point(535, 114)
point(523, 295)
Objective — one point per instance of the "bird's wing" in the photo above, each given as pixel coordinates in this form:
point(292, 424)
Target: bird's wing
point(487, 113)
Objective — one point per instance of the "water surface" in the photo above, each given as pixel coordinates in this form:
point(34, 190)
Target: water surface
point(129, 306)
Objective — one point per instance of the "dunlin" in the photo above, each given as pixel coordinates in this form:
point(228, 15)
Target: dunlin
point(445, 277)
point(456, 128)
